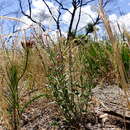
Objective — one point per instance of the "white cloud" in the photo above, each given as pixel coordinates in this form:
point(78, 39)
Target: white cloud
point(123, 21)
point(113, 18)
point(40, 13)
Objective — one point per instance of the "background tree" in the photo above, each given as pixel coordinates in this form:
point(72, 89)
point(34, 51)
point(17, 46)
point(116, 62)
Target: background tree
point(62, 7)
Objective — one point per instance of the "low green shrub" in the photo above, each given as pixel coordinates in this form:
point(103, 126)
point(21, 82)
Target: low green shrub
point(71, 89)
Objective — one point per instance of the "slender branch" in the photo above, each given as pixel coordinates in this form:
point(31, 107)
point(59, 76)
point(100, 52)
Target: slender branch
point(76, 4)
point(29, 16)
point(86, 3)
point(80, 9)
point(30, 9)
point(62, 7)
point(55, 19)
point(71, 24)
point(58, 22)
point(49, 9)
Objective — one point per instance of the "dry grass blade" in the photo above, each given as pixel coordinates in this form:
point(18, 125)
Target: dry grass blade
point(117, 57)
point(12, 18)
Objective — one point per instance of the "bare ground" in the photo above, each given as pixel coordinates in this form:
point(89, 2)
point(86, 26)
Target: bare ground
point(108, 105)
point(108, 112)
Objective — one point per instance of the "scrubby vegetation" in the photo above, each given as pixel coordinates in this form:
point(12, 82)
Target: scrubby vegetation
point(63, 73)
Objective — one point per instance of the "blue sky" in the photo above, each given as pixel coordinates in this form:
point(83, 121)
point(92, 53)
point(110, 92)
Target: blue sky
point(124, 5)
point(11, 6)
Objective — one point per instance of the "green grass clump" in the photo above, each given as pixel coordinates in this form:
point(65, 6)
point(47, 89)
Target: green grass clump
point(125, 52)
point(70, 93)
